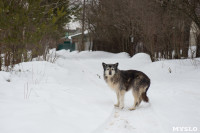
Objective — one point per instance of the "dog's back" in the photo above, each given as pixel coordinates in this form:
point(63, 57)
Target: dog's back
point(136, 80)
point(133, 78)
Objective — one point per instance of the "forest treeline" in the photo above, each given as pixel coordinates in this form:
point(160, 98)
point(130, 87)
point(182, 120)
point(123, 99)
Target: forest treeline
point(28, 28)
point(157, 27)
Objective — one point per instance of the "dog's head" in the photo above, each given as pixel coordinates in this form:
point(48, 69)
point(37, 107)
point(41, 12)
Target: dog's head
point(110, 69)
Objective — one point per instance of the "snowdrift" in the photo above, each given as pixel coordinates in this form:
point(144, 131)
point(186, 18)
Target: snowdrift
point(71, 95)
point(91, 55)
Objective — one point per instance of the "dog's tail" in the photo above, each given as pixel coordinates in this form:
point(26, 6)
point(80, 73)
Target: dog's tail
point(144, 97)
point(144, 94)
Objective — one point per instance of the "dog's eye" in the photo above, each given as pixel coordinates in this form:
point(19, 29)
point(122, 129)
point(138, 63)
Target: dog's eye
point(107, 69)
point(112, 68)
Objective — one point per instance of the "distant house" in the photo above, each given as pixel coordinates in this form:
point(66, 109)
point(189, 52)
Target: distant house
point(65, 44)
point(77, 40)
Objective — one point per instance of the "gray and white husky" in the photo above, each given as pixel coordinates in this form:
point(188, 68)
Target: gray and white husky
point(122, 81)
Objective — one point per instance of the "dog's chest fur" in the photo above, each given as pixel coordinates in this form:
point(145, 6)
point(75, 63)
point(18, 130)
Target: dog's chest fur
point(112, 82)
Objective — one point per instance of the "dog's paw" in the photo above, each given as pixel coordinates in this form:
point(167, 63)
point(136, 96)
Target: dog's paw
point(116, 105)
point(132, 108)
point(121, 107)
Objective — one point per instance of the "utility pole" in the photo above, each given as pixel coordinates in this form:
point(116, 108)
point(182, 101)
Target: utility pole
point(82, 47)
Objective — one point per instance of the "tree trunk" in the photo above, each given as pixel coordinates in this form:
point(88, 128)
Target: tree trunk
point(186, 36)
point(0, 57)
point(198, 46)
point(82, 47)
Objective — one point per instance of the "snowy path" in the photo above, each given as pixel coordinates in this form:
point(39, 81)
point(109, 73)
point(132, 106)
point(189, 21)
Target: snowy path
point(175, 105)
point(71, 96)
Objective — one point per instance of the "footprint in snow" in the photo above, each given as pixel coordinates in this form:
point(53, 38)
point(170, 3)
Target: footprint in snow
point(118, 124)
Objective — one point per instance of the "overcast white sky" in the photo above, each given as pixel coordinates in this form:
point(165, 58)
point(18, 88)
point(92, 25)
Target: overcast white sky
point(73, 25)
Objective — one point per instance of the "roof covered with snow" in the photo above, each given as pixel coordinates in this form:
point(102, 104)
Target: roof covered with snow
point(78, 34)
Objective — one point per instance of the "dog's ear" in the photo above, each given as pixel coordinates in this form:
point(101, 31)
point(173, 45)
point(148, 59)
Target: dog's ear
point(116, 65)
point(103, 64)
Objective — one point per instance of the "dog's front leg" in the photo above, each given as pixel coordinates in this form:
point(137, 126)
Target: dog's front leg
point(121, 97)
point(118, 102)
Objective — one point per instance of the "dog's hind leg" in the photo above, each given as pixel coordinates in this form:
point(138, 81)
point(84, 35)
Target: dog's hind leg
point(137, 100)
point(118, 102)
point(121, 98)
point(143, 94)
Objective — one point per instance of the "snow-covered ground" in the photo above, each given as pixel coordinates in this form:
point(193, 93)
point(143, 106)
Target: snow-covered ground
point(70, 96)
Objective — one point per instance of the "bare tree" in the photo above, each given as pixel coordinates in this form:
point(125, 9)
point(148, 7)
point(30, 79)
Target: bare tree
point(153, 27)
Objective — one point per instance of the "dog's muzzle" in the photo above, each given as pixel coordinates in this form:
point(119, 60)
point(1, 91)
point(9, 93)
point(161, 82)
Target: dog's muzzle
point(110, 73)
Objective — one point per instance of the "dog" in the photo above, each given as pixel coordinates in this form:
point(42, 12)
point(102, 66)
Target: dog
point(122, 81)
